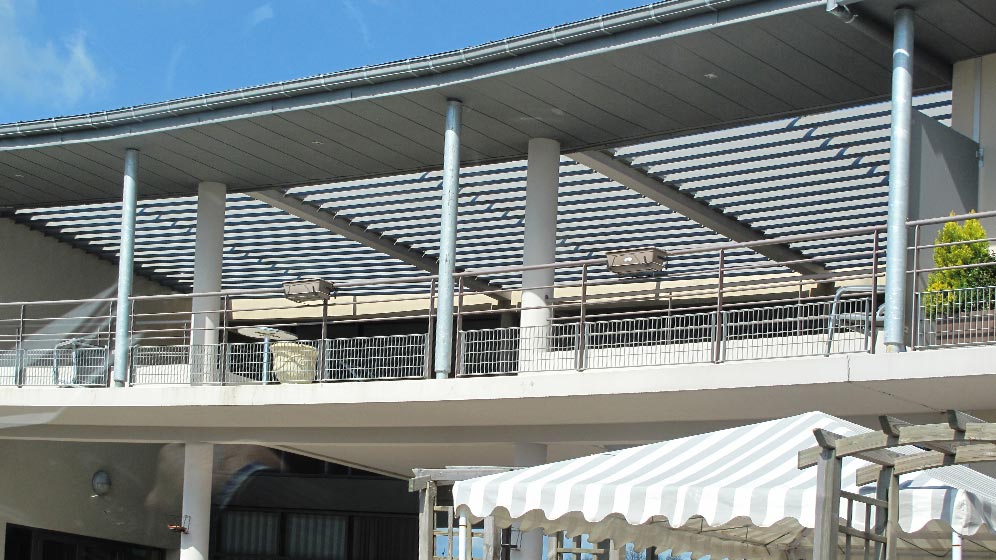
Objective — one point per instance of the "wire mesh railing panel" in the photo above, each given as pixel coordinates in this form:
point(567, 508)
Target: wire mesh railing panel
point(802, 329)
point(64, 367)
point(678, 338)
point(177, 364)
point(518, 349)
point(10, 362)
point(247, 363)
point(959, 317)
point(376, 357)
point(489, 351)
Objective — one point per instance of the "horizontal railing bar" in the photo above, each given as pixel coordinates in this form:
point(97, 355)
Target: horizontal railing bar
point(956, 218)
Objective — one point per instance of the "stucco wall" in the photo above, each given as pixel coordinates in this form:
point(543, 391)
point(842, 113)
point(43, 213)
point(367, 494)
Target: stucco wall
point(34, 267)
point(47, 485)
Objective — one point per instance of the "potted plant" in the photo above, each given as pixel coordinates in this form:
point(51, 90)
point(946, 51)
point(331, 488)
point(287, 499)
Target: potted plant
point(960, 301)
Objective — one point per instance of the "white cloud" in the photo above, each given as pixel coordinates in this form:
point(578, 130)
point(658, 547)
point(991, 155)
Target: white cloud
point(359, 19)
point(259, 15)
point(174, 62)
point(58, 73)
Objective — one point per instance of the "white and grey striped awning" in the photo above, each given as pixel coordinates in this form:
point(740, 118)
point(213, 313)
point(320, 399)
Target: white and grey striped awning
point(733, 493)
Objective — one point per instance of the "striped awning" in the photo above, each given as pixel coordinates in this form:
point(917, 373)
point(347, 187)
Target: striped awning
point(734, 493)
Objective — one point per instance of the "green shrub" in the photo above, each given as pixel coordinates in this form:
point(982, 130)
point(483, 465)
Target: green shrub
point(943, 284)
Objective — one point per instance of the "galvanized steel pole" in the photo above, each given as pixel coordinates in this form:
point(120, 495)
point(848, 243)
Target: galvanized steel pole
point(126, 263)
point(899, 179)
point(442, 364)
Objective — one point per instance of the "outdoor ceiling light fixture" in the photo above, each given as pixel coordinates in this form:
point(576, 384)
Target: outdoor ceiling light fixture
point(308, 290)
point(100, 483)
point(635, 261)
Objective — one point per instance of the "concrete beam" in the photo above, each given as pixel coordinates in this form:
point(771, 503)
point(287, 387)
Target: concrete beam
point(376, 241)
point(668, 194)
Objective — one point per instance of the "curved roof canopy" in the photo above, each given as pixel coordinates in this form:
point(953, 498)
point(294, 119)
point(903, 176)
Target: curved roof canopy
point(786, 176)
point(661, 70)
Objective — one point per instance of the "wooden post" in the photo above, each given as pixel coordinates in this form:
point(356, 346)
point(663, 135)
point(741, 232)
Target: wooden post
point(882, 514)
point(492, 540)
point(892, 528)
point(827, 504)
point(427, 521)
point(553, 543)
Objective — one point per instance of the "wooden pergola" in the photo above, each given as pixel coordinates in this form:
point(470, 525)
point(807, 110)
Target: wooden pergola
point(963, 439)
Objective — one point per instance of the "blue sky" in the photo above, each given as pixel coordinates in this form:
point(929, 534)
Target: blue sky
point(66, 57)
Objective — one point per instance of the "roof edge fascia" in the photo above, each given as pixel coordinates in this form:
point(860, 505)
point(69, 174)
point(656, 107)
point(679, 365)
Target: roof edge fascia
point(569, 41)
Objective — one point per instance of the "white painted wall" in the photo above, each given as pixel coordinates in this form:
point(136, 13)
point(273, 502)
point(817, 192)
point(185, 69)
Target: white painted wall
point(38, 267)
point(35, 267)
point(47, 485)
point(973, 113)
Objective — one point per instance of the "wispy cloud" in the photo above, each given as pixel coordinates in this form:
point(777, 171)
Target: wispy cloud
point(174, 62)
point(359, 19)
point(57, 73)
point(259, 15)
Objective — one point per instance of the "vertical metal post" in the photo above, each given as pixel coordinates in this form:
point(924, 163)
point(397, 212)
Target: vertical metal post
point(126, 263)
point(915, 312)
point(131, 332)
point(582, 320)
point(465, 538)
point(19, 351)
point(874, 294)
point(717, 347)
point(429, 341)
point(322, 347)
point(224, 338)
point(899, 179)
point(443, 361)
point(458, 359)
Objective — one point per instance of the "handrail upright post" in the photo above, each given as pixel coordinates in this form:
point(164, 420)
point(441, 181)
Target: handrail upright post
point(874, 294)
point(224, 338)
point(582, 321)
point(129, 370)
point(458, 335)
point(719, 333)
point(430, 333)
point(322, 364)
point(915, 311)
point(19, 351)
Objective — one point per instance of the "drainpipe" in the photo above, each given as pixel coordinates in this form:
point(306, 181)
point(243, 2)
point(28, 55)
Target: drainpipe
point(899, 180)
point(126, 264)
point(442, 364)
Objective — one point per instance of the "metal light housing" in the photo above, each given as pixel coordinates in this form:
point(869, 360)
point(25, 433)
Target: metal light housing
point(634, 261)
point(308, 289)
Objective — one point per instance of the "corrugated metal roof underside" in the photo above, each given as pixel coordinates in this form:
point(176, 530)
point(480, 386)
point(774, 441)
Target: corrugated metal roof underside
point(782, 177)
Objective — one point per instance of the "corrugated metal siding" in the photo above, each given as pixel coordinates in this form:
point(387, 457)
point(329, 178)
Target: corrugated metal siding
point(253, 533)
point(316, 536)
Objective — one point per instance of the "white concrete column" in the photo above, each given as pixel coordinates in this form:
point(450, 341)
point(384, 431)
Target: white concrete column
point(973, 113)
point(198, 463)
point(539, 247)
point(531, 543)
point(209, 247)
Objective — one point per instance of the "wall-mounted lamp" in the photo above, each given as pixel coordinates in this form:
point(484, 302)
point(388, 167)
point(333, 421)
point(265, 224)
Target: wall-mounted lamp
point(636, 261)
point(308, 289)
point(100, 483)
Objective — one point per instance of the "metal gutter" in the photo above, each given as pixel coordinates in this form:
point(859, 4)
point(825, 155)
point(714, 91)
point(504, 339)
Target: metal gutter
point(553, 38)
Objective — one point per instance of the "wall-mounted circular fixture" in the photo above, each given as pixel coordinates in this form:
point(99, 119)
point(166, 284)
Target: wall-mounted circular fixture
point(100, 483)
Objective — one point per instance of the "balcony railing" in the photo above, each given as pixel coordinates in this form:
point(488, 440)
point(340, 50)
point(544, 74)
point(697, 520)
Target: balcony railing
point(715, 303)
